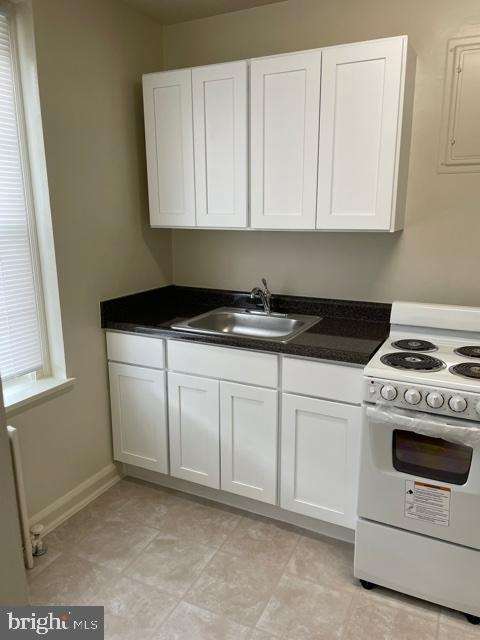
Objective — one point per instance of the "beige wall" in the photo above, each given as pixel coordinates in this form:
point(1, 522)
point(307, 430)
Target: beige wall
point(436, 258)
point(91, 54)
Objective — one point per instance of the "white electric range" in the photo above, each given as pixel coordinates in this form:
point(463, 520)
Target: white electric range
point(419, 498)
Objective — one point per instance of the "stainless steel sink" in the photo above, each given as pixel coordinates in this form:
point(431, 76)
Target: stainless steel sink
point(246, 323)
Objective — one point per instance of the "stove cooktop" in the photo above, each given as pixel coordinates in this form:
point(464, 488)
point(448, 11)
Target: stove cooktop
point(430, 362)
point(441, 360)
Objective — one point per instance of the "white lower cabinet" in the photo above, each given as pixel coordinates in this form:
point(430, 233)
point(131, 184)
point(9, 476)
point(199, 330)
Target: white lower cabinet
point(223, 423)
point(139, 423)
point(194, 429)
point(249, 428)
point(320, 458)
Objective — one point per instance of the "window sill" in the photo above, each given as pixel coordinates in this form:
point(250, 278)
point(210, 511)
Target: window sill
point(19, 397)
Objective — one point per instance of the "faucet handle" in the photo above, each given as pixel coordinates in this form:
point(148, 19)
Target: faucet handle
point(264, 282)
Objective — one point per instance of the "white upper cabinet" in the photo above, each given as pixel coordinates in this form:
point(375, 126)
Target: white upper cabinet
point(284, 103)
point(313, 140)
point(167, 99)
point(220, 141)
point(362, 92)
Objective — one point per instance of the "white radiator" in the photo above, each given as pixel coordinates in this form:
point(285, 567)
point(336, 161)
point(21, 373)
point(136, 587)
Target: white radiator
point(21, 502)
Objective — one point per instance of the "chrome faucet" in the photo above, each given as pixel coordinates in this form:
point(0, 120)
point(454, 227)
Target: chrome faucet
point(264, 295)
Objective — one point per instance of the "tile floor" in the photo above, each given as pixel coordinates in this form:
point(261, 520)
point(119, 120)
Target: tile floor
point(167, 566)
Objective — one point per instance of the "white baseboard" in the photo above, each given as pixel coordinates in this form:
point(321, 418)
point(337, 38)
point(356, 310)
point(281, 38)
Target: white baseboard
point(247, 504)
point(67, 505)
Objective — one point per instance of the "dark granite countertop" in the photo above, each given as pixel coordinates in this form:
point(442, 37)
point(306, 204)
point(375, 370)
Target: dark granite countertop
point(350, 331)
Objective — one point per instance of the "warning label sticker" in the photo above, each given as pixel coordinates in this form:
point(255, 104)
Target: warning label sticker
point(427, 502)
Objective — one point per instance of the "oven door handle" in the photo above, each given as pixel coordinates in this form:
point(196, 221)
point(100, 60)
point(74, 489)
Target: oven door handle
point(457, 431)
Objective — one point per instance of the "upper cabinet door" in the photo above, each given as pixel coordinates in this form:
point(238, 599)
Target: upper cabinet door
point(285, 102)
point(220, 134)
point(360, 127)
point(167, 98)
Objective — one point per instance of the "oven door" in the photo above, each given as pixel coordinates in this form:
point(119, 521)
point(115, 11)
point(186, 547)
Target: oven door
point(421, 473)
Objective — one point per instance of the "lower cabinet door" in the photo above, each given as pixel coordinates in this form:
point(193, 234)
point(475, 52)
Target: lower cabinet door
point(249, 428)
point(320, 458)
point(139, 421)
point(193, 408)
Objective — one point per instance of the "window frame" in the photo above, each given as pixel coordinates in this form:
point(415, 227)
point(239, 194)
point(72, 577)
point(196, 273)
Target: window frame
point(31, 387)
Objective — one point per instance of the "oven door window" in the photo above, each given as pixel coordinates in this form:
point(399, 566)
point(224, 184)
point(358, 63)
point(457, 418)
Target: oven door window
point(432, 458)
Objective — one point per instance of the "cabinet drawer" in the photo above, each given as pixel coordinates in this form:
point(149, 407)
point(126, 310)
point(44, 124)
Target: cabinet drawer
point(323, 380)
point(132, 349)
point(236, 365)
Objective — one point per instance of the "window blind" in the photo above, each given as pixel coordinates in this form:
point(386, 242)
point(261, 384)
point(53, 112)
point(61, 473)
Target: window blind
point(20, 336)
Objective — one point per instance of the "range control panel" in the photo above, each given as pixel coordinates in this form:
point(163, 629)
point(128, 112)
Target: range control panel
point(423, 398)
